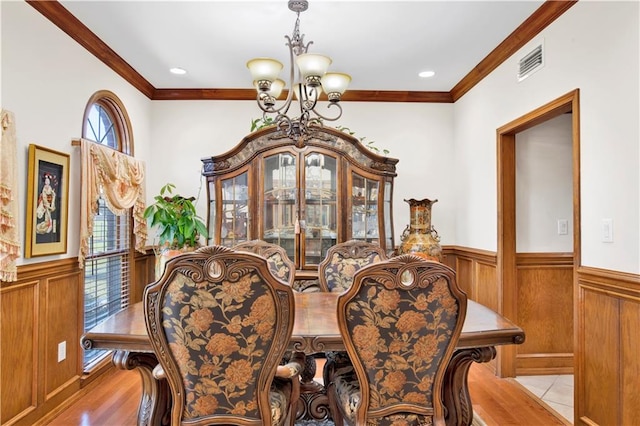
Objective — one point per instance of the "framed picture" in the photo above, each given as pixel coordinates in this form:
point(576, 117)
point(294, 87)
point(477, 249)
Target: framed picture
point(47, 202)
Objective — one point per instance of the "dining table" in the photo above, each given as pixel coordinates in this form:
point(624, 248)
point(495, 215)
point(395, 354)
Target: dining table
point(315, 331)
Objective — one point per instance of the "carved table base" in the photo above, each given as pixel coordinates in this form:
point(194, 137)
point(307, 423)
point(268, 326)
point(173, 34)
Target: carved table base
point(155, 403)
point(313, 403)
point(455, 387)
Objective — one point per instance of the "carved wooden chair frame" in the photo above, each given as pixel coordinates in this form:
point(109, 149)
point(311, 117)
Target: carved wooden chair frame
point(214, 266)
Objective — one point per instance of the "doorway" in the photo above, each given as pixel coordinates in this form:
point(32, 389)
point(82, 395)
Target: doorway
point(507, 270)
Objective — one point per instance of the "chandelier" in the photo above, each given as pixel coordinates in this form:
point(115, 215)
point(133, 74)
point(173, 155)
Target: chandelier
point(308, 78)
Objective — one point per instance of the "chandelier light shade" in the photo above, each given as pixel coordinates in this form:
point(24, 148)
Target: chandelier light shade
point(335, 84)
point(312, 67)
point(264, 71)
point(308, 78)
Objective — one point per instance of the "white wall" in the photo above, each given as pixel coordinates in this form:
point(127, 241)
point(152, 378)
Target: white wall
point(47, 79)
point(594, 47)
point(544, 187)
point(418, 134)
point(446, 151)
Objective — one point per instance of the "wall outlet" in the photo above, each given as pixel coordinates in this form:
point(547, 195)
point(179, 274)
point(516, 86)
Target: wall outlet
point(563, 226)
point(62, 351)
point(607, 230)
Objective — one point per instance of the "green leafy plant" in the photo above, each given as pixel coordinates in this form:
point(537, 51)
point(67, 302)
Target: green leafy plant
point(371, 145)
point(261, 122)
point(175, 218)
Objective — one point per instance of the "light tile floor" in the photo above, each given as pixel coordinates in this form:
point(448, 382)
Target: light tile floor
point(555, 391)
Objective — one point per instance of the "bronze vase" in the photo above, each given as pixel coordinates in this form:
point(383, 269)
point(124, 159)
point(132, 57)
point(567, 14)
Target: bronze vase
point(420, 238)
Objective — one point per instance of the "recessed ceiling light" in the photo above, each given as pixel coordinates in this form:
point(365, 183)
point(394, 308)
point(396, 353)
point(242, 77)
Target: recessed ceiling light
point(178, 71)
point(427, 74)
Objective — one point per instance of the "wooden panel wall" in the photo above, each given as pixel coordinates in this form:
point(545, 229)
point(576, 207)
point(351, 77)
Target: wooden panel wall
point(44, 308)
point(607, 347)
point(19, 340)
point(144, 273)
point(545, 303)
point(40, 310)
point(476, 273)
point(545, 310)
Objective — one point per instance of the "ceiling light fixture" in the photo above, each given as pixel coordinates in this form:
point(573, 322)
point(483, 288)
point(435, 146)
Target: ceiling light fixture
point(177, 71)
point(426, 74)
point(307, 79)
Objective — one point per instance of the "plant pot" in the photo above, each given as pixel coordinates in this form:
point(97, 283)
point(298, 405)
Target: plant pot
point(165, 254)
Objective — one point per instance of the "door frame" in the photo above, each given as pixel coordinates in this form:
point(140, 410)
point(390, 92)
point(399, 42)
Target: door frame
point(506, 173)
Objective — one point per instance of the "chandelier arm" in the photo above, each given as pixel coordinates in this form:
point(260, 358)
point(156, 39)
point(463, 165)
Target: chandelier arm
point(322, 117)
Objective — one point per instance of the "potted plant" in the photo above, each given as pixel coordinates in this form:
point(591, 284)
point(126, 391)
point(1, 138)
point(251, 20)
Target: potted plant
point(178, 225)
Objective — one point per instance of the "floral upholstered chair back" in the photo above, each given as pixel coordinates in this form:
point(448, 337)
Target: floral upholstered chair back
point(400, 321)
point(219, 322)
point(280, 264)
point(343, 260)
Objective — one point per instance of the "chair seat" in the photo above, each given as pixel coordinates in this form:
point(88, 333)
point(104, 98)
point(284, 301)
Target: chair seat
point(347, 389)
point(279, 397)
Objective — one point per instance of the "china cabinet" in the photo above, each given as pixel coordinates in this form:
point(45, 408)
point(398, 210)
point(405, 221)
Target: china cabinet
point(305, 195)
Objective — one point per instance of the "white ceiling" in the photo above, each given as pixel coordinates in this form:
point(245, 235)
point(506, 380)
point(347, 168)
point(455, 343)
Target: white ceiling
point(382, 44)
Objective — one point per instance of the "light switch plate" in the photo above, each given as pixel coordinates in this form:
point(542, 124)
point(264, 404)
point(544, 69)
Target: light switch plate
point(62, 351)
point(607, 230)
point(563, 226)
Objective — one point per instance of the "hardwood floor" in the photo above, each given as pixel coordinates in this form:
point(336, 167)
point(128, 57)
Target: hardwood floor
point(504, 402)
point(499, 402)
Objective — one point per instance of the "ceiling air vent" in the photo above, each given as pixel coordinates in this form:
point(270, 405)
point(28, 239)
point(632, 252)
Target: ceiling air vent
point(531, 63)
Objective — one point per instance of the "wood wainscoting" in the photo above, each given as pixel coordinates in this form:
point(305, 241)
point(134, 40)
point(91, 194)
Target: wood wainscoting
point(545, 303)
point(44, 308)
point(40, 311)
point(545, 310)
point(607, 347)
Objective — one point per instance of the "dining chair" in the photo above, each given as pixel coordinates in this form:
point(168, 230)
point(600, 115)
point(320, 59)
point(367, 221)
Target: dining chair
point(343, 260)
point(335, 274)
point(400, 322)
point(219, 323)
point(282, 267)
point(280, 264)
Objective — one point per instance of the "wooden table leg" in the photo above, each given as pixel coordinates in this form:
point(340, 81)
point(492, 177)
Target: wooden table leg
point(155, 402)
point(456, 389)
point(314, 404)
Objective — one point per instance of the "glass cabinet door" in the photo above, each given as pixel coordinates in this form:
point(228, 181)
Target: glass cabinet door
point(364, 214)
point(320, 206)
point(234, 210)
point(280, 201)
point(388, 231)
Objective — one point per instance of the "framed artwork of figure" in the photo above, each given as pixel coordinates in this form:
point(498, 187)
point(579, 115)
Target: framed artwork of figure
point(47, 202)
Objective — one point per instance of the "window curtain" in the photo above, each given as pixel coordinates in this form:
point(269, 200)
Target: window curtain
point(9, 244)
point(119, 178)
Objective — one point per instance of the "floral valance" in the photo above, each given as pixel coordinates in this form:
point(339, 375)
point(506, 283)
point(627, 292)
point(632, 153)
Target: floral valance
point(9, 241)
point(119, 179)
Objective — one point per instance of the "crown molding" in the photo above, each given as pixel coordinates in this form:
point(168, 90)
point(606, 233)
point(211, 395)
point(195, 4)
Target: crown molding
point(548, 12)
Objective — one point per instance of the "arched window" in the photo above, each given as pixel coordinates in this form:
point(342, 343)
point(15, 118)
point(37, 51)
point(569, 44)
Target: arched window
point(107, 264)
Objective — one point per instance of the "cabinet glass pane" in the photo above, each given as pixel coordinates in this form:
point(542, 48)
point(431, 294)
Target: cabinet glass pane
point(280, 201)
point(388, 233)
point(212, 213)
point(320, 195)
point(235, 211)
point(364, 215)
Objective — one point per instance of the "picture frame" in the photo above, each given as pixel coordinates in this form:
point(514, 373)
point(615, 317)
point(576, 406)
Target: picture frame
point(47, 202)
